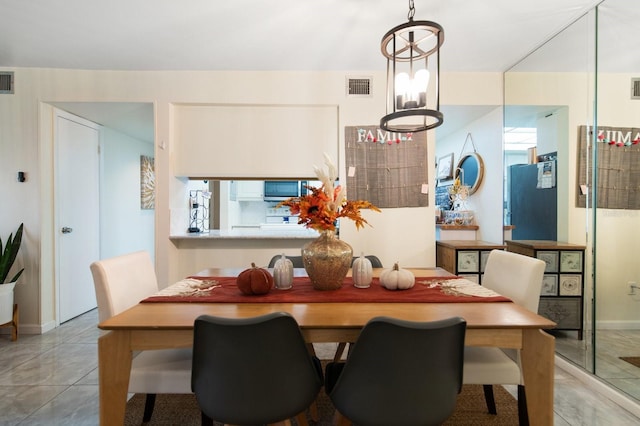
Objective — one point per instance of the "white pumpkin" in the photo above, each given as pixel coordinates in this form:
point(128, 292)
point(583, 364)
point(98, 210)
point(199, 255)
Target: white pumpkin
point(283, 273)
point(397, 278)
point(362, 272)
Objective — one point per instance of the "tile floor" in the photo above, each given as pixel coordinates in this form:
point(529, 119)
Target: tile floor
point(52, 379)
point(610, 346)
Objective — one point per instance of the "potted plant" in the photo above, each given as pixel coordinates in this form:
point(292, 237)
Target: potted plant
point(8, 254)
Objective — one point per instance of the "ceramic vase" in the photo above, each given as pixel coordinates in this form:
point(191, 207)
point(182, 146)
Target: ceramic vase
point(327, 260)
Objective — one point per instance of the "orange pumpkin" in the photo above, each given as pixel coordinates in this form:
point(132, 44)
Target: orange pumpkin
point(255, 280)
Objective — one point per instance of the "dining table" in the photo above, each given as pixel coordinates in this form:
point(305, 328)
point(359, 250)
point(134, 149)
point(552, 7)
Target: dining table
point(157, 323)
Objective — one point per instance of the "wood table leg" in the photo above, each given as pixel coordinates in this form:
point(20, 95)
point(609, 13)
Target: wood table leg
point(114, 368)
point(14, 323)
point(538, 368)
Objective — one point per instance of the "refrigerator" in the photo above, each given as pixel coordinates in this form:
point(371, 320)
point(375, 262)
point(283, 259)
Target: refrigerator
point(533, 201)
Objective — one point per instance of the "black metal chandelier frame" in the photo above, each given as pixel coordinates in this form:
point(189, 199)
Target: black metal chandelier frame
point(412, 42)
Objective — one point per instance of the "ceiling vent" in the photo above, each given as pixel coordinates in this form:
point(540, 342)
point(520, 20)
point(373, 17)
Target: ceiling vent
point(359, 86)
point(6, 82)
point(635, 88)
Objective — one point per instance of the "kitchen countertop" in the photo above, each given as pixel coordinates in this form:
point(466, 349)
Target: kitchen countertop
point(248, 233)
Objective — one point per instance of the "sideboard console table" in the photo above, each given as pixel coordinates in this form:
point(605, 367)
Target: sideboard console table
point(466, 258)
point(562, 295)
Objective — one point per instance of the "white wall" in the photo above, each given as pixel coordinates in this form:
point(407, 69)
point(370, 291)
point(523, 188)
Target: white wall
point(618, 231)
point(486, 202)
point(124, 226)
point(405, 234)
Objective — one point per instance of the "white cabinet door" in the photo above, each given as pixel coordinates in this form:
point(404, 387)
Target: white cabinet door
point(247, 190)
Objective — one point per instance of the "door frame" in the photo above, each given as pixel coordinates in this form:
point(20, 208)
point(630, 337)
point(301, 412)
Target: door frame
point(57, 112)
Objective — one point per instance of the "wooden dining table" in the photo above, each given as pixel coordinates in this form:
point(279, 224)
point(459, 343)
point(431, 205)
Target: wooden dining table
point(147, 326)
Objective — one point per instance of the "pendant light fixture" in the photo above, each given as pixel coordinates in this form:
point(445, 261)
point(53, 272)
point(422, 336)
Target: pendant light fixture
point(408, 49)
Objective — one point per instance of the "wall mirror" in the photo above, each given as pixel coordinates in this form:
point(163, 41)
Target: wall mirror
point(548, 95)
point(470, 171)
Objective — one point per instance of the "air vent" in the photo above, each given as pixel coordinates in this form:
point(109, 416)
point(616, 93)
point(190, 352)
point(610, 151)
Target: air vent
point(6, 82)
point(358, 86)
point(635, 88)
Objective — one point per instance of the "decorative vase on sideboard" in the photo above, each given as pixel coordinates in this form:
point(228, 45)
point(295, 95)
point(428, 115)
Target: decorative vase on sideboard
point(327, 260)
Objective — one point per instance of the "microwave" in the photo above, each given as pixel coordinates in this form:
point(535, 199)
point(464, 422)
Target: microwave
point(279, 190)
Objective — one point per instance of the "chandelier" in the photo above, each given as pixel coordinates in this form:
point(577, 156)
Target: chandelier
point(408, 48)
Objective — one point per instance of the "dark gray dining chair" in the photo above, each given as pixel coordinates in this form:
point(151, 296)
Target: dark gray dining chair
point(253, 370)
point(375, 261)
point(297, 263)
point(400, 373)
point(296, 260)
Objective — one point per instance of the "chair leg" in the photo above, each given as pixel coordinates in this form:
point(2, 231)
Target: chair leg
point(523, 414)
point(148, 407)
point(339, 351)
point(489, 399)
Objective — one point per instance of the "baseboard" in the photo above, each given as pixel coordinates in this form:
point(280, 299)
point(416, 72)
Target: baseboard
point(606, 390)
point(31, 328)
point(617, 325)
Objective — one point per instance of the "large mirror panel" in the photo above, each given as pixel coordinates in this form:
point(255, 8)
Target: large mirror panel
point(584, 77)
point(617, 234)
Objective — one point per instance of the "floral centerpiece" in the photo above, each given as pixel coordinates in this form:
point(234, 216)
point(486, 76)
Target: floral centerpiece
point(459, 215)
point(457, 189)
point(327, 259)
point(321, 208)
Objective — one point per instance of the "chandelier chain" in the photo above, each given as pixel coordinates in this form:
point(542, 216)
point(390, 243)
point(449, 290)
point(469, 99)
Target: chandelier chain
point(412, 11)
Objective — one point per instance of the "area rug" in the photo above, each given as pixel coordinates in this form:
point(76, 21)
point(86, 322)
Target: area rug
point(171, 410)
point(633, 360)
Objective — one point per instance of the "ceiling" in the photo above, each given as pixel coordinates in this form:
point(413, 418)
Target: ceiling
point(337, 35)
point(487, 35)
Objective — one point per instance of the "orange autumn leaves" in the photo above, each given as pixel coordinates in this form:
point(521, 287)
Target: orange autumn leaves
point(315, 209)
point(321, 208)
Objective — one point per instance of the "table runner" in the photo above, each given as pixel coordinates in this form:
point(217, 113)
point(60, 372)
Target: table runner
point(425, 290)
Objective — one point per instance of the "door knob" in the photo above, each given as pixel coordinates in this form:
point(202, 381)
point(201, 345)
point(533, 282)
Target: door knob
point(66, 230)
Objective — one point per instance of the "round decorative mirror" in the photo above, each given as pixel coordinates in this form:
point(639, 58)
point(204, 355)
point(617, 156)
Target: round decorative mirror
point(470, 170)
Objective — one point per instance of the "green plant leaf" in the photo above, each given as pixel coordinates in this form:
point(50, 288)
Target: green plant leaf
point(9, 253)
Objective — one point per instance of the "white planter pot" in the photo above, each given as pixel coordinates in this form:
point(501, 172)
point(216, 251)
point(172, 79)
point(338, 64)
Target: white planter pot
point(6, 302)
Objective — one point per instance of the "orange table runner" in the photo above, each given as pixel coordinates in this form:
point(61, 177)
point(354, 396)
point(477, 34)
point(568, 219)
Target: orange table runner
point(224, 290)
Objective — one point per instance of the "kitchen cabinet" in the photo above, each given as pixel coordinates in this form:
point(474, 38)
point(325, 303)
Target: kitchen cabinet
point(465, 258)
point(562, 294)
point(213, 141)
point(246, 190)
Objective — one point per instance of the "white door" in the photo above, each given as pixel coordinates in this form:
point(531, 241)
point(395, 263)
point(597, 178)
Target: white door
point(77, 143)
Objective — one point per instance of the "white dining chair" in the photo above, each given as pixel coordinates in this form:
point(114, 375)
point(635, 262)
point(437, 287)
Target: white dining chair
point(120, 283)
point(519, 278)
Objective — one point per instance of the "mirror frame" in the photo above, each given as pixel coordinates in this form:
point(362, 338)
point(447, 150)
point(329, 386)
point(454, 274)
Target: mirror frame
point(479, 166)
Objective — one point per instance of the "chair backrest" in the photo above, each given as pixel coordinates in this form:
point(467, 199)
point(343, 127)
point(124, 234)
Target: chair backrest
point(515, 276)
point(375, 262)
point(122, 281)
point(402, 373)
point(252, 370)
point(296, 260)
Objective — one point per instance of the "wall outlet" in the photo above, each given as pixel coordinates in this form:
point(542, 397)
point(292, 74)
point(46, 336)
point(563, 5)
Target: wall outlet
point(633, 287)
